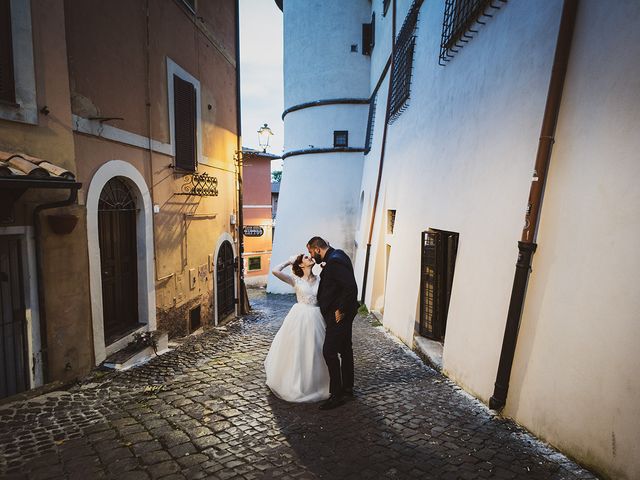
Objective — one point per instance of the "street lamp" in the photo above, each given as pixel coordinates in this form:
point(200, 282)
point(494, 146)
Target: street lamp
point(264, 133)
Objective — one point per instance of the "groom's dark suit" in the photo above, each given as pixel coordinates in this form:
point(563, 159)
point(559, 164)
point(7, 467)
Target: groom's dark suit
point(338, 291)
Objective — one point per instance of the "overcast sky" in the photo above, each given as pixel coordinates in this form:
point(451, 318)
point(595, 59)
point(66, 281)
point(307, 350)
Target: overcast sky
point(261, 71)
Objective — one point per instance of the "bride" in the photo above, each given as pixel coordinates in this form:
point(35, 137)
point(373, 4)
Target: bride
point(295, 367)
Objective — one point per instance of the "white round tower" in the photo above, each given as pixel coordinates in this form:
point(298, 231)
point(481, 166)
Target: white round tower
point(326, 95)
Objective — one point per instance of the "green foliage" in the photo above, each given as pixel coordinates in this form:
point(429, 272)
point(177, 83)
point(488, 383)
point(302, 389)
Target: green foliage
point(276, 176)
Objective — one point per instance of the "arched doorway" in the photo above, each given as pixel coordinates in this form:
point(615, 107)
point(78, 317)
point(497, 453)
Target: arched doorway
point(225, 281)
point(118, 259)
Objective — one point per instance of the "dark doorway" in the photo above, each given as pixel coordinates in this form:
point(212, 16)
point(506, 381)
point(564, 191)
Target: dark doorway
point(225, 273)
point(118, 259)
point(439, 250)
point(14, 369)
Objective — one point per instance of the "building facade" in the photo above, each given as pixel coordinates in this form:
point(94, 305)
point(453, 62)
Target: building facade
point(257, 215)
point(457, 104)
point(139, 100)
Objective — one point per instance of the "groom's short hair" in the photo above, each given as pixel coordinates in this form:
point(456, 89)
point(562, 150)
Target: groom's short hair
point(317, 242)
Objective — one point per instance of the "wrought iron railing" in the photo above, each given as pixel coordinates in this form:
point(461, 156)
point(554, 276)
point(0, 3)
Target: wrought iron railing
point(403, 63)
point(200, 185)
point(460, 20)
point(370, 124)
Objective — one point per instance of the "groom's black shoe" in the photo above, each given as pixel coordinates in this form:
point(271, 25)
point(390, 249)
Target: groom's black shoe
point(332, 402)
point(348, 395)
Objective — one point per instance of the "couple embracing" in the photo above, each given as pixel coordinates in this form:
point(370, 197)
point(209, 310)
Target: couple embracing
point(311, 358)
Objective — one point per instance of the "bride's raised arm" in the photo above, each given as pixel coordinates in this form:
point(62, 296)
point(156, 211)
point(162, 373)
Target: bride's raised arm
point(278, 272)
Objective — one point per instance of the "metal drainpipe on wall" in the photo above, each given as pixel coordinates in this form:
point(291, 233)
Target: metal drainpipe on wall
point(527, 245)
point(382, 153)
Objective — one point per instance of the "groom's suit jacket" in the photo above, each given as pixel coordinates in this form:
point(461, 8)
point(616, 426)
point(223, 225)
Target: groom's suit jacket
point(338, 289)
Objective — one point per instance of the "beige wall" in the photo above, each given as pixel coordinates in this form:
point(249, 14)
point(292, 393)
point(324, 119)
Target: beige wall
point(575, 375)
point(186, 228)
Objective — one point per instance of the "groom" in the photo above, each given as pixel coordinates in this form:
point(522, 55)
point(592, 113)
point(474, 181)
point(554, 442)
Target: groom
point(337, 298)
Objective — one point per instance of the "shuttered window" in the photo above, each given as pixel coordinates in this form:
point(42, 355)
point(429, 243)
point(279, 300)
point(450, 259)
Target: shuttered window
point(7, 84)
point(184, 100)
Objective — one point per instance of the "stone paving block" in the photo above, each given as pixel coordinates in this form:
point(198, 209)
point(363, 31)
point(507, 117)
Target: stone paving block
point(212, 416)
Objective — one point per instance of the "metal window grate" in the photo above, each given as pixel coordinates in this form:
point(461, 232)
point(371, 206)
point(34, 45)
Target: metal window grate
point(439, 250)
point(370, 123)
point(403, 63)
point(460, 18)
point(340, 138)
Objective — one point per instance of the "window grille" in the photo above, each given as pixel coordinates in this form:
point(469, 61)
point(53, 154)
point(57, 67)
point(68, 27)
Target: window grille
point(340, 138)
point(370, 123)
point(439, 250)
point(7, 82)
point(403, 63)
point(460, 18)
point(185, 124)
point(391, 221)
point(254, 263)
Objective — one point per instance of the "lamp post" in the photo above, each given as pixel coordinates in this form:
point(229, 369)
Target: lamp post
point(264, 134)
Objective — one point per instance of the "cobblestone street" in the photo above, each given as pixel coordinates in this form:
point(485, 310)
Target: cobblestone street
point(211, 416)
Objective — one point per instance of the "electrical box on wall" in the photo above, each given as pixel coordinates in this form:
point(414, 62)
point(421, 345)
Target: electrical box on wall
point(211, 262)
point(232, 219)
point(192, 278)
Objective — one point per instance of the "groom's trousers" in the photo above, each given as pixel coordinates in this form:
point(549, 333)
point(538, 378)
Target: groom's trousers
point(338, 342)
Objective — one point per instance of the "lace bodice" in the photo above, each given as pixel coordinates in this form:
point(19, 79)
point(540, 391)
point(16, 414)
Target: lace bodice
point(307, 292)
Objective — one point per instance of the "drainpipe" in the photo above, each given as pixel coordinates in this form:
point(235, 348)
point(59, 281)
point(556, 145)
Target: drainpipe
point(527, 245)
point(382, 152)
point(73, 196)
point(243, 303)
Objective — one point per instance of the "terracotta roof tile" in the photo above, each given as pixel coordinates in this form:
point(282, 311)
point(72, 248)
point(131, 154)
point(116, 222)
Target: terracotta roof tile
point(17, 165)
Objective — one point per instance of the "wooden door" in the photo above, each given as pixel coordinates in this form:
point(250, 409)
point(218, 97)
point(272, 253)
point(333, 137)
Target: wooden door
point(225, 274)
point(14, 356)
point(118, 259)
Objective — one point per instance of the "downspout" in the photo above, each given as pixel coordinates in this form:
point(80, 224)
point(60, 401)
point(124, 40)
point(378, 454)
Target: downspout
point(527, 245)
point(243, 304)
point(42, 311)
point(382, 152)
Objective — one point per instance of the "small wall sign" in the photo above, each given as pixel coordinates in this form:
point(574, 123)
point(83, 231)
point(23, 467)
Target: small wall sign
point(253, 231)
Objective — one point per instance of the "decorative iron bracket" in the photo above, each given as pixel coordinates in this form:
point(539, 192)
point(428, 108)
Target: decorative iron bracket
point(200, 185)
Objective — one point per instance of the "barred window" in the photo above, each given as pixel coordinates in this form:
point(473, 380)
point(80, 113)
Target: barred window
point(403, 63)
point(369, 35)
point(460, 18)
point(340, 138)
point(370, 123)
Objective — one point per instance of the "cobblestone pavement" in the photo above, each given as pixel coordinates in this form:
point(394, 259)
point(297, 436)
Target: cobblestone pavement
point(211, 416)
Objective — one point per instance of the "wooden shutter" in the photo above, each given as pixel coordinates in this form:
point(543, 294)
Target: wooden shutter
point(184, 100)
point(7, 85)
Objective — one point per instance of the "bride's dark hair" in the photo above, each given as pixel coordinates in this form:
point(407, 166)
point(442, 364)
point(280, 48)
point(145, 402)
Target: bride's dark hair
point(296, 268)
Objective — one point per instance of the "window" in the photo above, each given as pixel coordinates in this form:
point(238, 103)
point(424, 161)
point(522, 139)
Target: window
point(370, 123)
point(195, 318)
point(340, 138)
point(17, 68)
point(391, 221)
point(184, 100)
point(385, 7)
point(7, 82)
point(459, 18)
point(403, 63)
point(369, 35)
point(254, 263)
point(439, 250)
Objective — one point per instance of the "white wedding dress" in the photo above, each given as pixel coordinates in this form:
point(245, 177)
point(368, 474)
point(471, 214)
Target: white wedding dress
point(296, 370)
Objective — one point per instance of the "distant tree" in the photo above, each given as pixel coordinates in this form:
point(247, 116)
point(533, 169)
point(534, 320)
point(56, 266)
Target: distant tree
point(276, 176)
